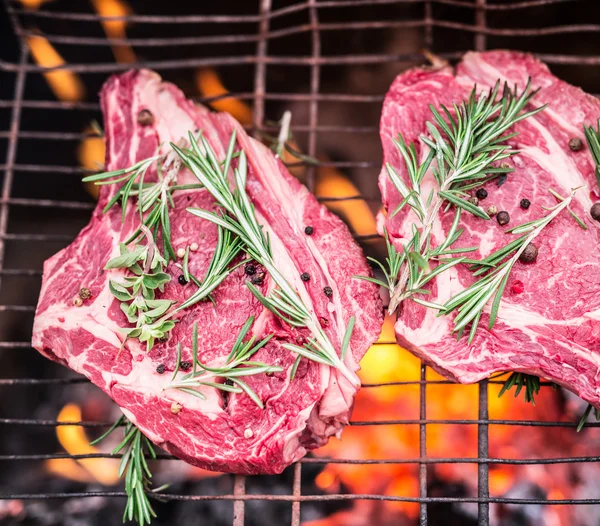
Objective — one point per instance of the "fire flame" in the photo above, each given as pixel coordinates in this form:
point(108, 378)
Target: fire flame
point(65, 84)
point(116, 28)
point(34, 4)
point(75, 442)
point(209, 85)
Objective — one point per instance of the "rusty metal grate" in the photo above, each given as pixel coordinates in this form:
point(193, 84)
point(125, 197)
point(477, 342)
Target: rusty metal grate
point(427, 17)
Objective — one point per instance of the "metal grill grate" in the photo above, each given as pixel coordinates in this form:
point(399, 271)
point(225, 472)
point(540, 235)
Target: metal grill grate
point(427, 17)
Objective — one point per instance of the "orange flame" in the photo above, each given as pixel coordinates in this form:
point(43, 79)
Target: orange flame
point(116, 28)
point(91, 152)
point(75, 442)
point(356, 212)
point(34, 4)
point(209, 85)
point(65, 84)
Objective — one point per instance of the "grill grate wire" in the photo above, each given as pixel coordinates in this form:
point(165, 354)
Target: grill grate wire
point(262, 60)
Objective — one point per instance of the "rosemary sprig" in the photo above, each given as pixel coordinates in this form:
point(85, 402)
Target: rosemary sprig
point(240, 219)
point(228, 247)
point(466, 146)
point(238, 364)
point(471, 302)
point(154, 200)
point(530, 383)
point(593, 139)
point(585, 416)
point(135, 449)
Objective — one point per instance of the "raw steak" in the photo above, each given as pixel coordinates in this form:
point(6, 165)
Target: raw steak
point(224, 433)
point(550, 329)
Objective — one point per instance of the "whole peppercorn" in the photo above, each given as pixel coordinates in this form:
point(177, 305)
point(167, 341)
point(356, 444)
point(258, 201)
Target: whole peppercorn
point(185, 365)
point(595, 212)
point(525, 204)
point(529, 255)
point(145, 118)
point(250, 269)
point(85, 293)
point(505, 165)
point(305, 276)
point(160, 369)
point(481, 193)
point(182, 280)
point(309, 230)
point(474, 201)
point(77, 301)
point(258, 278)
point(492, 211)
point(328, 291)
point(575, 144)
point(503, 218)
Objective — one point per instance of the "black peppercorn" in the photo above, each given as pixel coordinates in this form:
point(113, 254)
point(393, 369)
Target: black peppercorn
point(160, 369)
point(258, 278)
point(529, 255)
point(473, 201)
point(305, 276)
point(481, 193)
point(84, 293)
point(328, 291)
point(309, 230)
point(185, 365)
point(525, 204)
point(575, 144)
point(595, 212)
point(250, 269)
point(145, 118)
point(182, 280)
point(503, 218)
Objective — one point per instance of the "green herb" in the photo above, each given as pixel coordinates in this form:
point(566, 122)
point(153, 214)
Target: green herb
point(238, 365)
point(240, 219)
point(228, 247)
point(284, 140)
point(530, 383)
point(466, 147)
point(135, 449)
point(153, 199)
point(137, 292)
point(585, 416)
point(471, 302)
point(593, 139)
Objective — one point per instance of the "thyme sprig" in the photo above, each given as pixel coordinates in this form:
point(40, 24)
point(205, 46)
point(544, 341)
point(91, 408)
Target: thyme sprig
point(136, 449)
point(137, 292)
point(237, 365)
point(467, 146)
point(593, 139)
point(241, 220)
point(470, 303)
